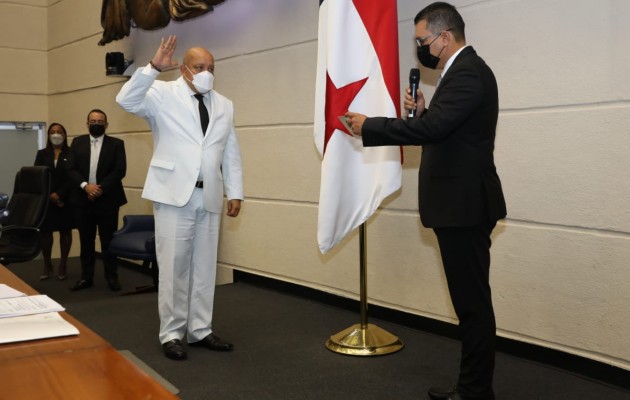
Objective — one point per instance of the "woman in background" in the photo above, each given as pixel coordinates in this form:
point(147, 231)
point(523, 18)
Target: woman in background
point(59, 216)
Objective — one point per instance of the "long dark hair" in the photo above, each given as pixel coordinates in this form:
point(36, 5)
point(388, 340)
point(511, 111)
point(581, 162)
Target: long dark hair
point(64, 145)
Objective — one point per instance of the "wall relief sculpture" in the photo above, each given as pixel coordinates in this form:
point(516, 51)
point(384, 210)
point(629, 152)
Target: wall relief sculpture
point(118, 16)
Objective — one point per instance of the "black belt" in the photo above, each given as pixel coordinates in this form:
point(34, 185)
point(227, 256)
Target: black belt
point(199, 184)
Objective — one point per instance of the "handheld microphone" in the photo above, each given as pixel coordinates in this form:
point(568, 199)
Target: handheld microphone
point(414, 81)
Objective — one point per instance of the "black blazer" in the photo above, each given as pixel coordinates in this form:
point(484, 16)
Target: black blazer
point(60, 184)
point(111, 169)
point(458, 182)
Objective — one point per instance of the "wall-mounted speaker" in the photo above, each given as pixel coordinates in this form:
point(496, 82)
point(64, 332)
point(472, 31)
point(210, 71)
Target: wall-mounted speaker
point(115, 63)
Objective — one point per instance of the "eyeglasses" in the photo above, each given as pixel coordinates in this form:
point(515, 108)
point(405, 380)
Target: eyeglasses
point(420, 41)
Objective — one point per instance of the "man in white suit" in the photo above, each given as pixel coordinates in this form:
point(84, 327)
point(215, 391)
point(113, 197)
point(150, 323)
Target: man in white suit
point(195, 157)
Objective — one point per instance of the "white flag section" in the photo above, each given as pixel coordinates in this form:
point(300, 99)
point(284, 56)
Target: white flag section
point(350, 77)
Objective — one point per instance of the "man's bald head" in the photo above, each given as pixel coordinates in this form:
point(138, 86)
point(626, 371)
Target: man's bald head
point(196, 53)
point(196, 60)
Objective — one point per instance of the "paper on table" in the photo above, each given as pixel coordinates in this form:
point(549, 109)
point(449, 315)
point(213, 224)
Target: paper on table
point(8, 292)
point(28, 305)
point(31, 327)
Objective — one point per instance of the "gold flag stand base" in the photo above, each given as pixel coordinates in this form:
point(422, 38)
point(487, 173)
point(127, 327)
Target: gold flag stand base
point(364, 339)
point(368, 340)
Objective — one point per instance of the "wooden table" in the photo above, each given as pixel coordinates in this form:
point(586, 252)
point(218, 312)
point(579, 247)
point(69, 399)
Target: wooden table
point(72, 367)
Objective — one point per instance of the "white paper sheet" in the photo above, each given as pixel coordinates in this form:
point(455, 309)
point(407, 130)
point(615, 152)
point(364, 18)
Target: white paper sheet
point(28, 305)
point(7, 292)
point(37, 326)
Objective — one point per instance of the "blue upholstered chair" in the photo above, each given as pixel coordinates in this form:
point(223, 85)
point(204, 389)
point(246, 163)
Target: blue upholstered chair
point(136, 241)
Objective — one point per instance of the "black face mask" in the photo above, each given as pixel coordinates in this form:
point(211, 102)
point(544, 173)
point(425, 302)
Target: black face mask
point(425, 57)
point(97, 130)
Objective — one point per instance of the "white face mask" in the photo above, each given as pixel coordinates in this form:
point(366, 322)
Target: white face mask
point(56, 139)
point(203, 81)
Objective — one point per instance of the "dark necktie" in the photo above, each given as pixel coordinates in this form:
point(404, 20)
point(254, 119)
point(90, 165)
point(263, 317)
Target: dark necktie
point(203, 113)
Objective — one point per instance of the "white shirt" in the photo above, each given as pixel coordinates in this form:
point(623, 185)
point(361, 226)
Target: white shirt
point(449, 63)
point(195, 103)
point(95, 150)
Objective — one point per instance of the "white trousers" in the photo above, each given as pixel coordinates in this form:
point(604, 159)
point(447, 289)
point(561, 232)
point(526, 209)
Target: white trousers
point(186, 240)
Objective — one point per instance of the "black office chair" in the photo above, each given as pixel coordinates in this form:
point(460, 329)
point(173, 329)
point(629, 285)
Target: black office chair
point(4, 201)
point(136, 241)
point(25, 212)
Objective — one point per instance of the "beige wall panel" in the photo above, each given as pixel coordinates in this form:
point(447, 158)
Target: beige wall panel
point(21, 107)
point(139, 148)
point(81, 65)
point(34, 3)
point(136, 205)
point(128, 122)
point(280, 163)
point(271, 87)
point(71, 109)
point(564, 287)
point(567, 167)
point(125, 122)
point(22, 27)
point(278, 239)
point(406, 273)
point(407, 197)
point(71, 20)
point(23, 71)
point(565, 78)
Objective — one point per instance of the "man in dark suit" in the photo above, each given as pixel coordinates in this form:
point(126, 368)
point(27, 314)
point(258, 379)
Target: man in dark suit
point(96, 166)
point(460, 193)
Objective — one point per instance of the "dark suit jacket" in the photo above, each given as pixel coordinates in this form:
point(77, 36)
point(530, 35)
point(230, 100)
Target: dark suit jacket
point(59, 183)
point(458, 182)
point(111, 169)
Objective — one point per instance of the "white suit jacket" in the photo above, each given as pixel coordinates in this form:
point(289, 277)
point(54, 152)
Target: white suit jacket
point(180, 150)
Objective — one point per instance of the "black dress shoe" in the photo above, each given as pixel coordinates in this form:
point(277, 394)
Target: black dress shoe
point(80, 285)
point(174, 350)
point(113, 284)
point(437, 393)
point(213, 342)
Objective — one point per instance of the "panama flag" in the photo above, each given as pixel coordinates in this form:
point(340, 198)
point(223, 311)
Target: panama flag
point(357, 70)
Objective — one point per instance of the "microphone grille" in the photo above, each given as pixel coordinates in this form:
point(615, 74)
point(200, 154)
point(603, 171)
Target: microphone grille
point(414, 75)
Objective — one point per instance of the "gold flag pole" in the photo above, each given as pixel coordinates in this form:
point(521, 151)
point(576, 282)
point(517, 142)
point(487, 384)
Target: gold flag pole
point(364, 339)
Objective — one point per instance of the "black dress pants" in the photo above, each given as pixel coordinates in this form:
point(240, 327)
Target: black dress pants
point(89, 219)
point(465, 254)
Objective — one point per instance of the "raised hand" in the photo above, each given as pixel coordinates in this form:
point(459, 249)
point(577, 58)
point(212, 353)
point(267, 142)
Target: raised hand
point(163, 58)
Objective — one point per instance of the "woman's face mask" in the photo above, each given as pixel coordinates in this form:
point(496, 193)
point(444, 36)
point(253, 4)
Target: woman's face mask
point(56, 139)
